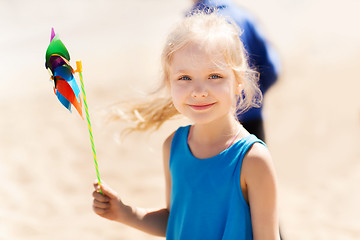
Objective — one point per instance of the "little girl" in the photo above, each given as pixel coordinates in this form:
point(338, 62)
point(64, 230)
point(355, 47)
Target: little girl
point(220, 180)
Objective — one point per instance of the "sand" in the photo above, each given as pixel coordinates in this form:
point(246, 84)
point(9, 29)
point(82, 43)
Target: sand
point(46, 166)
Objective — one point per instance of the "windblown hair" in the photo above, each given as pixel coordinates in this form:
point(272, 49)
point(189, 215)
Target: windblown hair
point(214, 34)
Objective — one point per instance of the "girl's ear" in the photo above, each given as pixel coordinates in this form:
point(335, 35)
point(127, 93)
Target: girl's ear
point(239, 84)
point(238, 89)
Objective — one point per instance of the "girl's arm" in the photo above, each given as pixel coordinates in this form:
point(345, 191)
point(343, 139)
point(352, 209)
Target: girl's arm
point(260, 179)
point(110, 206)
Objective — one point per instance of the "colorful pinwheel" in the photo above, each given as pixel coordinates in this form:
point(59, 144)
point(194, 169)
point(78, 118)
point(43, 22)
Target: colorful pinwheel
point(65, 86)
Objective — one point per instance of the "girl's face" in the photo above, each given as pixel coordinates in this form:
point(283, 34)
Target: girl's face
point(203, 87)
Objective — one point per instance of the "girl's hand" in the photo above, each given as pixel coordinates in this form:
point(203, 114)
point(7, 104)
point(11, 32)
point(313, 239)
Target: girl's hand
point(108, 205)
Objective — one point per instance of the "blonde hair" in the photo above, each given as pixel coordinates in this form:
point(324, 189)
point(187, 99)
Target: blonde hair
point(210, 31)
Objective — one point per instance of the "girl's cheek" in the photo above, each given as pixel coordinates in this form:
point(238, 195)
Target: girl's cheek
point(178, 89)
point(177, 98)
point(175, 93)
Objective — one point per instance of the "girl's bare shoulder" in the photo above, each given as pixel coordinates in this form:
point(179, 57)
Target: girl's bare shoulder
point(168, 141)
point(167, 146)
point(258, 162)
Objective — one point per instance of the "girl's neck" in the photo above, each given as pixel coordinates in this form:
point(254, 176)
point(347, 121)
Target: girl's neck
point(208, 140)
point(216, 133)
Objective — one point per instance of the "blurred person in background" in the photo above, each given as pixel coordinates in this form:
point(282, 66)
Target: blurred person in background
point(262, 55)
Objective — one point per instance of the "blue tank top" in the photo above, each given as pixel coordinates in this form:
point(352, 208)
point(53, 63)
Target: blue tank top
point(206, 197)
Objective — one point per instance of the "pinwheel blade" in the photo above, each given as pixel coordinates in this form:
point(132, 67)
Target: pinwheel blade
point(52, 34)
point(66, 91)
point(63, 100)
point(57, 47)
point(55, 61)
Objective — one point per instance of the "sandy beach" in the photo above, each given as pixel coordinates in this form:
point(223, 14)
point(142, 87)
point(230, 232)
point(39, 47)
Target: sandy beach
point(46, 164)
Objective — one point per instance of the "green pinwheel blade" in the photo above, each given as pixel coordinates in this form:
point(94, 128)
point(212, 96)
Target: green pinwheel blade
point(57, 47)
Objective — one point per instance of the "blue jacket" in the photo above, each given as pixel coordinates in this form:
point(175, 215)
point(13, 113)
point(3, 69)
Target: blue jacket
point(262, 55)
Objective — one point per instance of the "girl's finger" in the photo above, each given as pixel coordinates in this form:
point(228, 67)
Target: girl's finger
point(102, 205)
point(106, 190)
point(100, 197)
point(99, 211)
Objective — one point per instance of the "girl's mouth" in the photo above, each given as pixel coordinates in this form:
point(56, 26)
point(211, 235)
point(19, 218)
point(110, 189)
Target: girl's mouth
point(201, 106)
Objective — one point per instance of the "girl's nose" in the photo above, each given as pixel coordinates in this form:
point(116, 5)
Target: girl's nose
point(199, 92)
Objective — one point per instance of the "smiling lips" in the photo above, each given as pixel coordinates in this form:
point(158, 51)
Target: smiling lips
point(201, 106)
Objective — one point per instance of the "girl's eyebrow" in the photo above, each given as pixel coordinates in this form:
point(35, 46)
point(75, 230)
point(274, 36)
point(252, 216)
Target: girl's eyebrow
point(180, 71)
point(210, 69)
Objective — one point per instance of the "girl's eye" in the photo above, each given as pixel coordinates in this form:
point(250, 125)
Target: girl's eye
point(214, 76)
point(187, 78)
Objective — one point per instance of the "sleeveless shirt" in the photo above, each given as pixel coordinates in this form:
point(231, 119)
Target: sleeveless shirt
point(206, 198)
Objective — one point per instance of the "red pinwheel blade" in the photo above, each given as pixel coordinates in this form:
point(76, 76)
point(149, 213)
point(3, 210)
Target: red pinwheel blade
point(65, 89)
